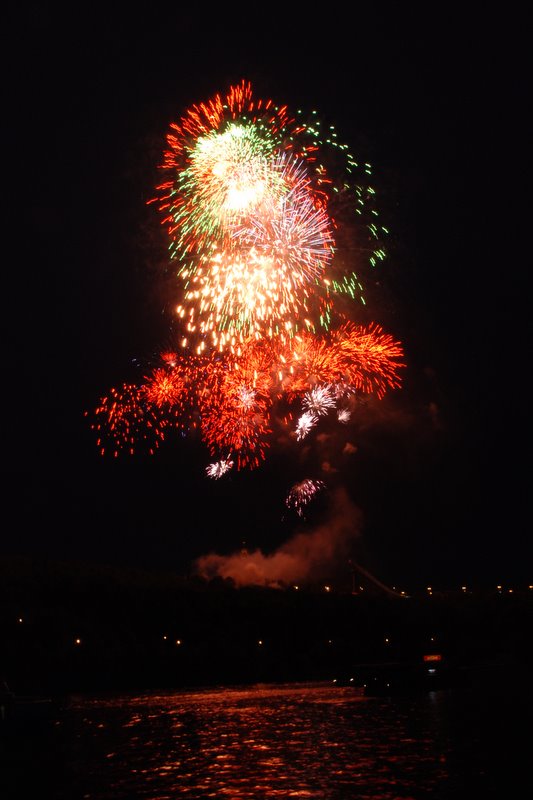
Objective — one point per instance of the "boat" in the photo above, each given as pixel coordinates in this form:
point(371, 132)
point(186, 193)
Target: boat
point(429, 673)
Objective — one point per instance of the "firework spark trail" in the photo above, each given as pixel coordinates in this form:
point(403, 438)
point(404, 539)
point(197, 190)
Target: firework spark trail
point(236, 295)
point(123, 422)
point(371, 358)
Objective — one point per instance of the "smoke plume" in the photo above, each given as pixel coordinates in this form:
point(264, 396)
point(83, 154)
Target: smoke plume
point(307, 556)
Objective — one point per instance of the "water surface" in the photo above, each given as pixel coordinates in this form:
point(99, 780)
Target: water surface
point(276, 741)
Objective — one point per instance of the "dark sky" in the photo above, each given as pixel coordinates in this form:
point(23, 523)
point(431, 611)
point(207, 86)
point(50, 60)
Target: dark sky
point(436, 101)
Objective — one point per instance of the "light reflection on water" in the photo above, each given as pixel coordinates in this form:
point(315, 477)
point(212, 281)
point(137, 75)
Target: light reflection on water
point(298, 741)
point(272, 741)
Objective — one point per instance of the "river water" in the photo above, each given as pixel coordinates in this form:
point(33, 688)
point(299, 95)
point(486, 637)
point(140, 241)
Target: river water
point(276, 741)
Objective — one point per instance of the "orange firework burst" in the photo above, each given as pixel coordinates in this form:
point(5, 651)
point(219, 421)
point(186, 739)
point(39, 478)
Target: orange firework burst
point(371, 358)
point(232, 394)
point(165, 388)
point(309, 360)
point(124, 422)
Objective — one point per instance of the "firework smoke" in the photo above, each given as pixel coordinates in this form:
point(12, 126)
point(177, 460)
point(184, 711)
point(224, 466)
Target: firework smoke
point(307, 557)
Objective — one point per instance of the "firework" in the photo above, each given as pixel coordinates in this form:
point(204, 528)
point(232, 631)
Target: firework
point(302, 493)
point(257, 280)
point(305, 423)
point(269, 222)
point(219, 468)
point(343, 415)
point(124, 423)
point(309, 361)
point(230, 397)
point(371, 358)
point(290, 227)
point(318, 401)
point(237, 295)
point(252, 207)
point(235, 415)
point(164, 388)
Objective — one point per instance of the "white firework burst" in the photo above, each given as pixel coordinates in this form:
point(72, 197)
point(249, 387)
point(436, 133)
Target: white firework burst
point(246, 397)
point(305, 423)
point(342, 390)
point(343, 415)
point(302, 493)
point(319, 400)
point(219, 468)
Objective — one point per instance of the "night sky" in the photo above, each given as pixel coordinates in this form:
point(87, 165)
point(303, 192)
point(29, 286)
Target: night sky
point(436, 102)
